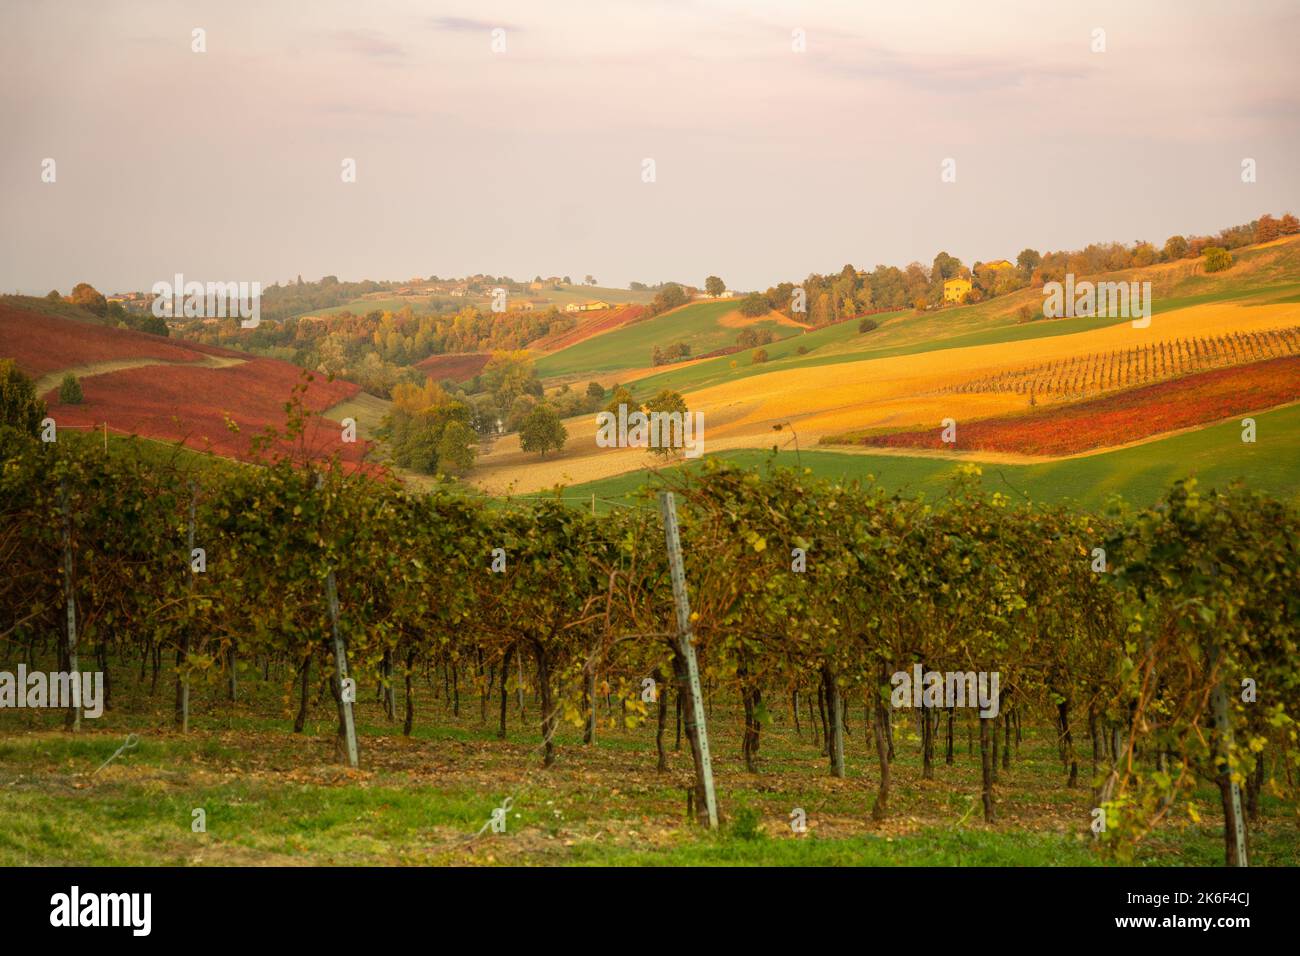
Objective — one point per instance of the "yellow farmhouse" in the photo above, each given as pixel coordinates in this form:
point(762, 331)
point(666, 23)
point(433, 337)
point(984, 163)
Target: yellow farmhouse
point(954, 290)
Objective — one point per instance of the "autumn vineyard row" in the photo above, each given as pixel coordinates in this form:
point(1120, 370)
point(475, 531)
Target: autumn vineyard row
point(1123, 633)
point(1087, 375)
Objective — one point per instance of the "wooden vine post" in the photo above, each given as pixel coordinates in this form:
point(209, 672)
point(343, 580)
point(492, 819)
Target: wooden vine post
point(183, 649)
point(346, 722)
point(696, 731)
point(73, 721)
point(1234, 821)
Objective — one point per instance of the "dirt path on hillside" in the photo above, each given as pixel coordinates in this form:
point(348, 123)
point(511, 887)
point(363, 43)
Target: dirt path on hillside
point(54, 379)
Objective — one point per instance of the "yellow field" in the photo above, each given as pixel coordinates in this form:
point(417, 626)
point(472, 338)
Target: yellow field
point(891, 392)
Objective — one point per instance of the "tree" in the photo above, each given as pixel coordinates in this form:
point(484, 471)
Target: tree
point(621, 396)
point(1028, 261)
point(945, 267)
point(669, 297)
point(868, 325)
point(456, 449)
point(89, 298)
point(507, 375)
point(542, 431)
point(1143, 255)
point(1267, 228)
point(1289, 225)
point(568, 281)
point(589, 280)
point(666, 402)
point(1217, 259)
point(595, 390)
point(754, 305)
point(53, 296)
point(518, 412)
point(1175, 248)
point(19, 406)
point(714, 286)
point(759, 357)
point(70, 390)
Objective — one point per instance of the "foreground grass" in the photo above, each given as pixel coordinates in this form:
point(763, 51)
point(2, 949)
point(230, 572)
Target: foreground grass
point(271, 797)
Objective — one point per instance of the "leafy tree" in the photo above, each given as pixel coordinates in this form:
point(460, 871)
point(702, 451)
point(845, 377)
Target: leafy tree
point(754, 305)
point(595, 390)
point(669, 297)
point(1028, 261)
point(670, 403)
point(70, 390)
point(507, 376)
point(456, 448)
point(414, 440)
point(146, 322)
point(1289, 225)
point(1143, 255)
point(542, 431)
point(759, 357)
point(945, 267)
point(1267, 228)
point(19, 406)
point(518, 412)
point(714, 286)
point(621, 396)
point(53, 296)
point(89, 298)
point(1175, 248)
point(868, 325)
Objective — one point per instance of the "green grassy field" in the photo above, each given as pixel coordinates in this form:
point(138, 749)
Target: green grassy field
point(271, 797)
point(1140, 474)
point(631, 346)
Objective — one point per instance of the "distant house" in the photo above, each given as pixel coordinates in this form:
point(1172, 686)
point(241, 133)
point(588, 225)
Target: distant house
point(573, 307)
point(593, 306)
point(954, 290)
point(998, 265)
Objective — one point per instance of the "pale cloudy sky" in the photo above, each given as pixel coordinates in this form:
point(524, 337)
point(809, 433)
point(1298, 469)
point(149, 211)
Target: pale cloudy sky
point(770, 163)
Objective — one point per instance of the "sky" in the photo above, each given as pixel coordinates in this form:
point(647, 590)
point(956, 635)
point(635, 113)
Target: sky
point(770, 161)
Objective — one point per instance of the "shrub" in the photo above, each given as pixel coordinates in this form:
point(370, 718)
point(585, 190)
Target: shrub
point(70, 390)
point(19, 406)
point(868, 325)
point(1217, 258)
point(744, 825)
point(759, 356)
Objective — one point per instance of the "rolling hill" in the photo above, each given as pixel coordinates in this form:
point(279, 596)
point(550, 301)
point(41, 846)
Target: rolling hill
point(204, 397)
